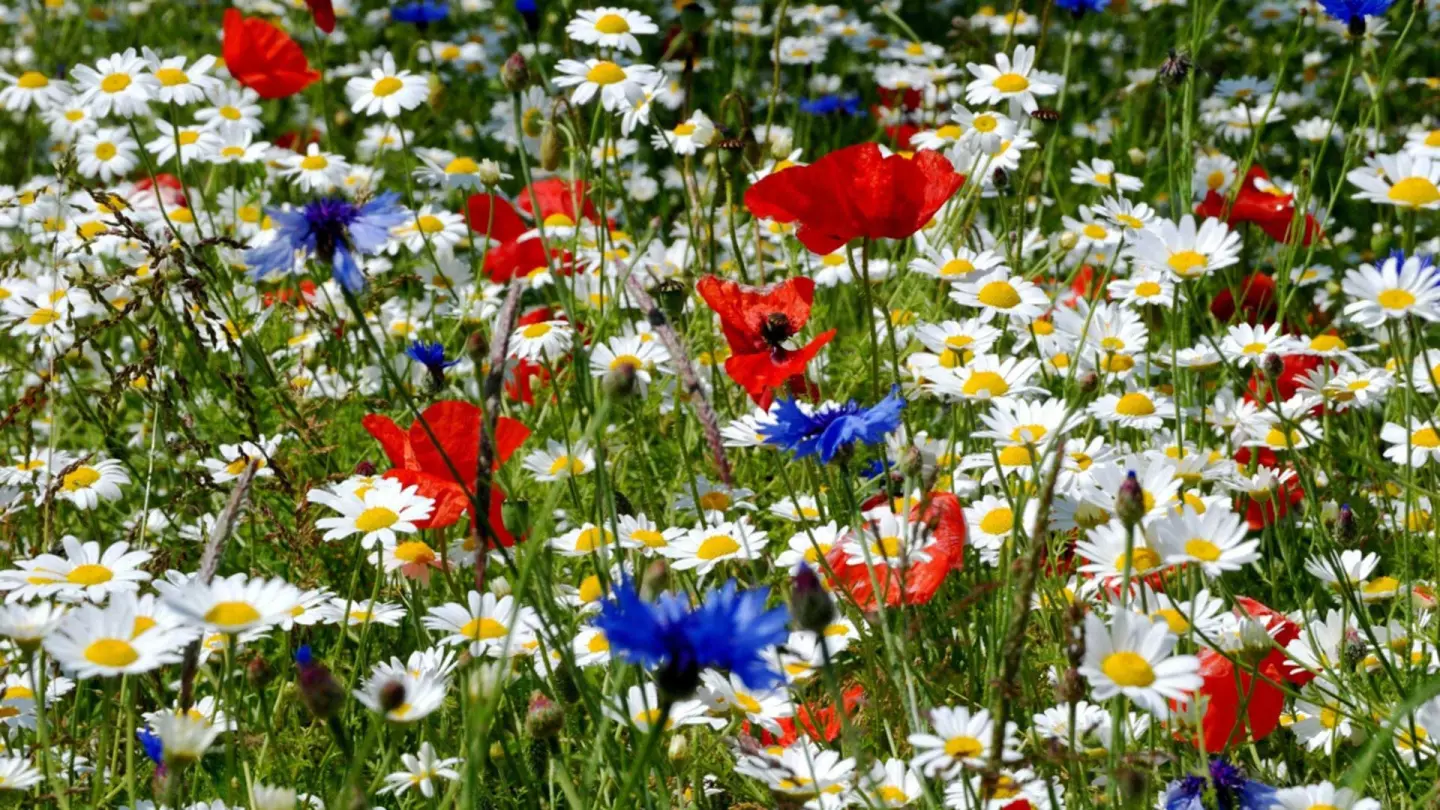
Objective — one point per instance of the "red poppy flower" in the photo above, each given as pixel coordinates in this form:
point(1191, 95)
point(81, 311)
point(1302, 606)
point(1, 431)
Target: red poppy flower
point(1263, 203)
point(557, 201)
point(1295, 367)
point(900, 135)
point(297, 141)
point(172, 191)
point(918, 583)
point(856, 191)
point(1261, 512)
point(820, 722)
point(513, 256)
point(420, 462)
point(264, 58)
point(324, 13)
point(1227, 688)
point(757, 324)
point(1257, 302)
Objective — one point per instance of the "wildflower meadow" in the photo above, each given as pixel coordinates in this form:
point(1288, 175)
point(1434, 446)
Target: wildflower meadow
point(719, 404)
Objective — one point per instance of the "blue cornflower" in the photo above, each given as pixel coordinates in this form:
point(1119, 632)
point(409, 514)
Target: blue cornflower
point(154, 749)
point(1354, 12)
point(829, 104)
point(432, 357)
point(332, 230)
point(831, 427)
point(420, 13)
point(529, 11)
point(728, 631)
point(1078, 7)
point(1231, 791)
point(1400, 257)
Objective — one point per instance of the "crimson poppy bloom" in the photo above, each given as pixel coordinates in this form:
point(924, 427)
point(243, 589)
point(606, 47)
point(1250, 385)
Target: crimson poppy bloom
point(757, 323)
point(918, 583)
point(1257, 301)
point(856, 191)
point(264, 58)
point(324, 13)
point(420, 462)
point(1227, 688)
point(820, 722)
point(1287, 384)
point(1263, 203)
point(1261, 512)
point(557, 198)
point(495, 217)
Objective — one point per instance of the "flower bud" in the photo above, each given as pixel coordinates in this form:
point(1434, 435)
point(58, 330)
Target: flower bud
point(912, 462)
point(621, 381)
point(679, 749)
point(1130, 501)
point(811, 606)
point(515, 73)
point(1346, 529)
point(1274, 366)
point(516, 515)
point(1068, 240)
point(654, 580)
point(365, 468)
point(489, 172)
point(259, 672)
point(392, 696)
point(544, 718)
point(321, 693)
point(551, 150)
point(1138, 156)
point(1175, 68)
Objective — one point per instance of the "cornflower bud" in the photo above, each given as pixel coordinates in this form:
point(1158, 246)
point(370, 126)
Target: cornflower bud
point(545, 718)
point(392, 696)
point(1130, 501)
point(515, 73)
point(318, 688)
point(1346, 529)
point(811, 606)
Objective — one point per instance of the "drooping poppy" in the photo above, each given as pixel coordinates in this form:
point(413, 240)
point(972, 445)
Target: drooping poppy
point(324, 13)
point(757, 324)
point(264, 58)
point(855, 192)
point(917, 583)
point(446, 469)
point(1263, 203)
point(1228, 689)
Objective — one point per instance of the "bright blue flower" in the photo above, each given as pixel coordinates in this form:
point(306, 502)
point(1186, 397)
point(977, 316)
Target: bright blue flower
point(831, 427)
point(1400, 257)
point(332, 230)
point(526, 6)
point(829, 104)
point(432, 357)
point(1082, 6)
point(1226, 786)
point(1353, 11)
point(421, 13)
point(728, 631)
point(154, 749)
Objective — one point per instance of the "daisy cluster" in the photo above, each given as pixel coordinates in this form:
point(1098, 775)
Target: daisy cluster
point(474, 403)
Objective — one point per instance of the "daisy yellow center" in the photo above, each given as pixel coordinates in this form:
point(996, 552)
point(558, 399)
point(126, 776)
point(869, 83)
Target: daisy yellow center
point(1141, 560)
point(1135, 404)
point(83, 478)
point(170, 77)
point(1202, 549)
point(1129, 221)
point(74, 116)
point(30, 80)
point(563, 463)
point(429, 223)
point(1426, 438)
point(891, 795)
point(1414, 192)
point(592, 538)
point(1015, 456)
point(716, 546)
point(387, 86)
point(376, 518)
point(188, 137)
point(647, 717)
point(483, 628)
point(999, 294)
point(111, 652)
point(987, 381)
point(612, 24)
point(462, 165)
point(233, 151)
point(1147, 289)
point(605, 73)
point(115, 82)
point(232, 614)
point(536, 330)
point(1093, 231)
point(626, 360)
point(1186, 262)
point(684, 129)
point(105, 150)
point(998, 521)
point(963, 746)
point(1327, 343)
point(230, 113)
point(1381, 585)
point(19, 693)
point(1011, 83)
point(957, 267)
point(1112, 344)
point(1177, 621)
point(590, 589)
point(1395, 299)
point(89, 574)
point(314, 163)
point(1126, 668)
point(598, 643)
point(414, 551)
point(715, 501)
point(650, 537)
point(1255, 348)
point(888, 546)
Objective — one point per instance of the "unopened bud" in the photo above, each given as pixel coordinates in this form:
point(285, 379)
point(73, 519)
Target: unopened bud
point(781, 144)
point(392, 696)
point(1138, 157)
point(1175, 68)
point(671, 295)
point(655, 580)
point(812, 607)
point(912, 463)
point(622, 380)
point(1130, 501)
point(1346, 529)
point(366, 468)
point(679, 749)
point(1274, 366)
point(489, 172)
point(1089, 382)
point(551, 150)
point(258, 672)
point(321, 693)
point(515, 73)
point(545, 718)
point(515, 513)
point(1068, 240)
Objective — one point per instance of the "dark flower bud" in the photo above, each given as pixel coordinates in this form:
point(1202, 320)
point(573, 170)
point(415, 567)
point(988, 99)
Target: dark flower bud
point(1175, 67)
point(1346, 529)
point(365, 468)
point(811, 606)
point(515, 73)
point(1130, 501)
point(912, 462)
point(1274, 366)
point(1001, 178)
point(1356, 27)
point(392, 696)
point(259, 672)
point(478, 348)
point(671, 295)
point(1089, 382)
point(545, 718)
point(692, 17)
point(322, 694)
point(622, 381)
